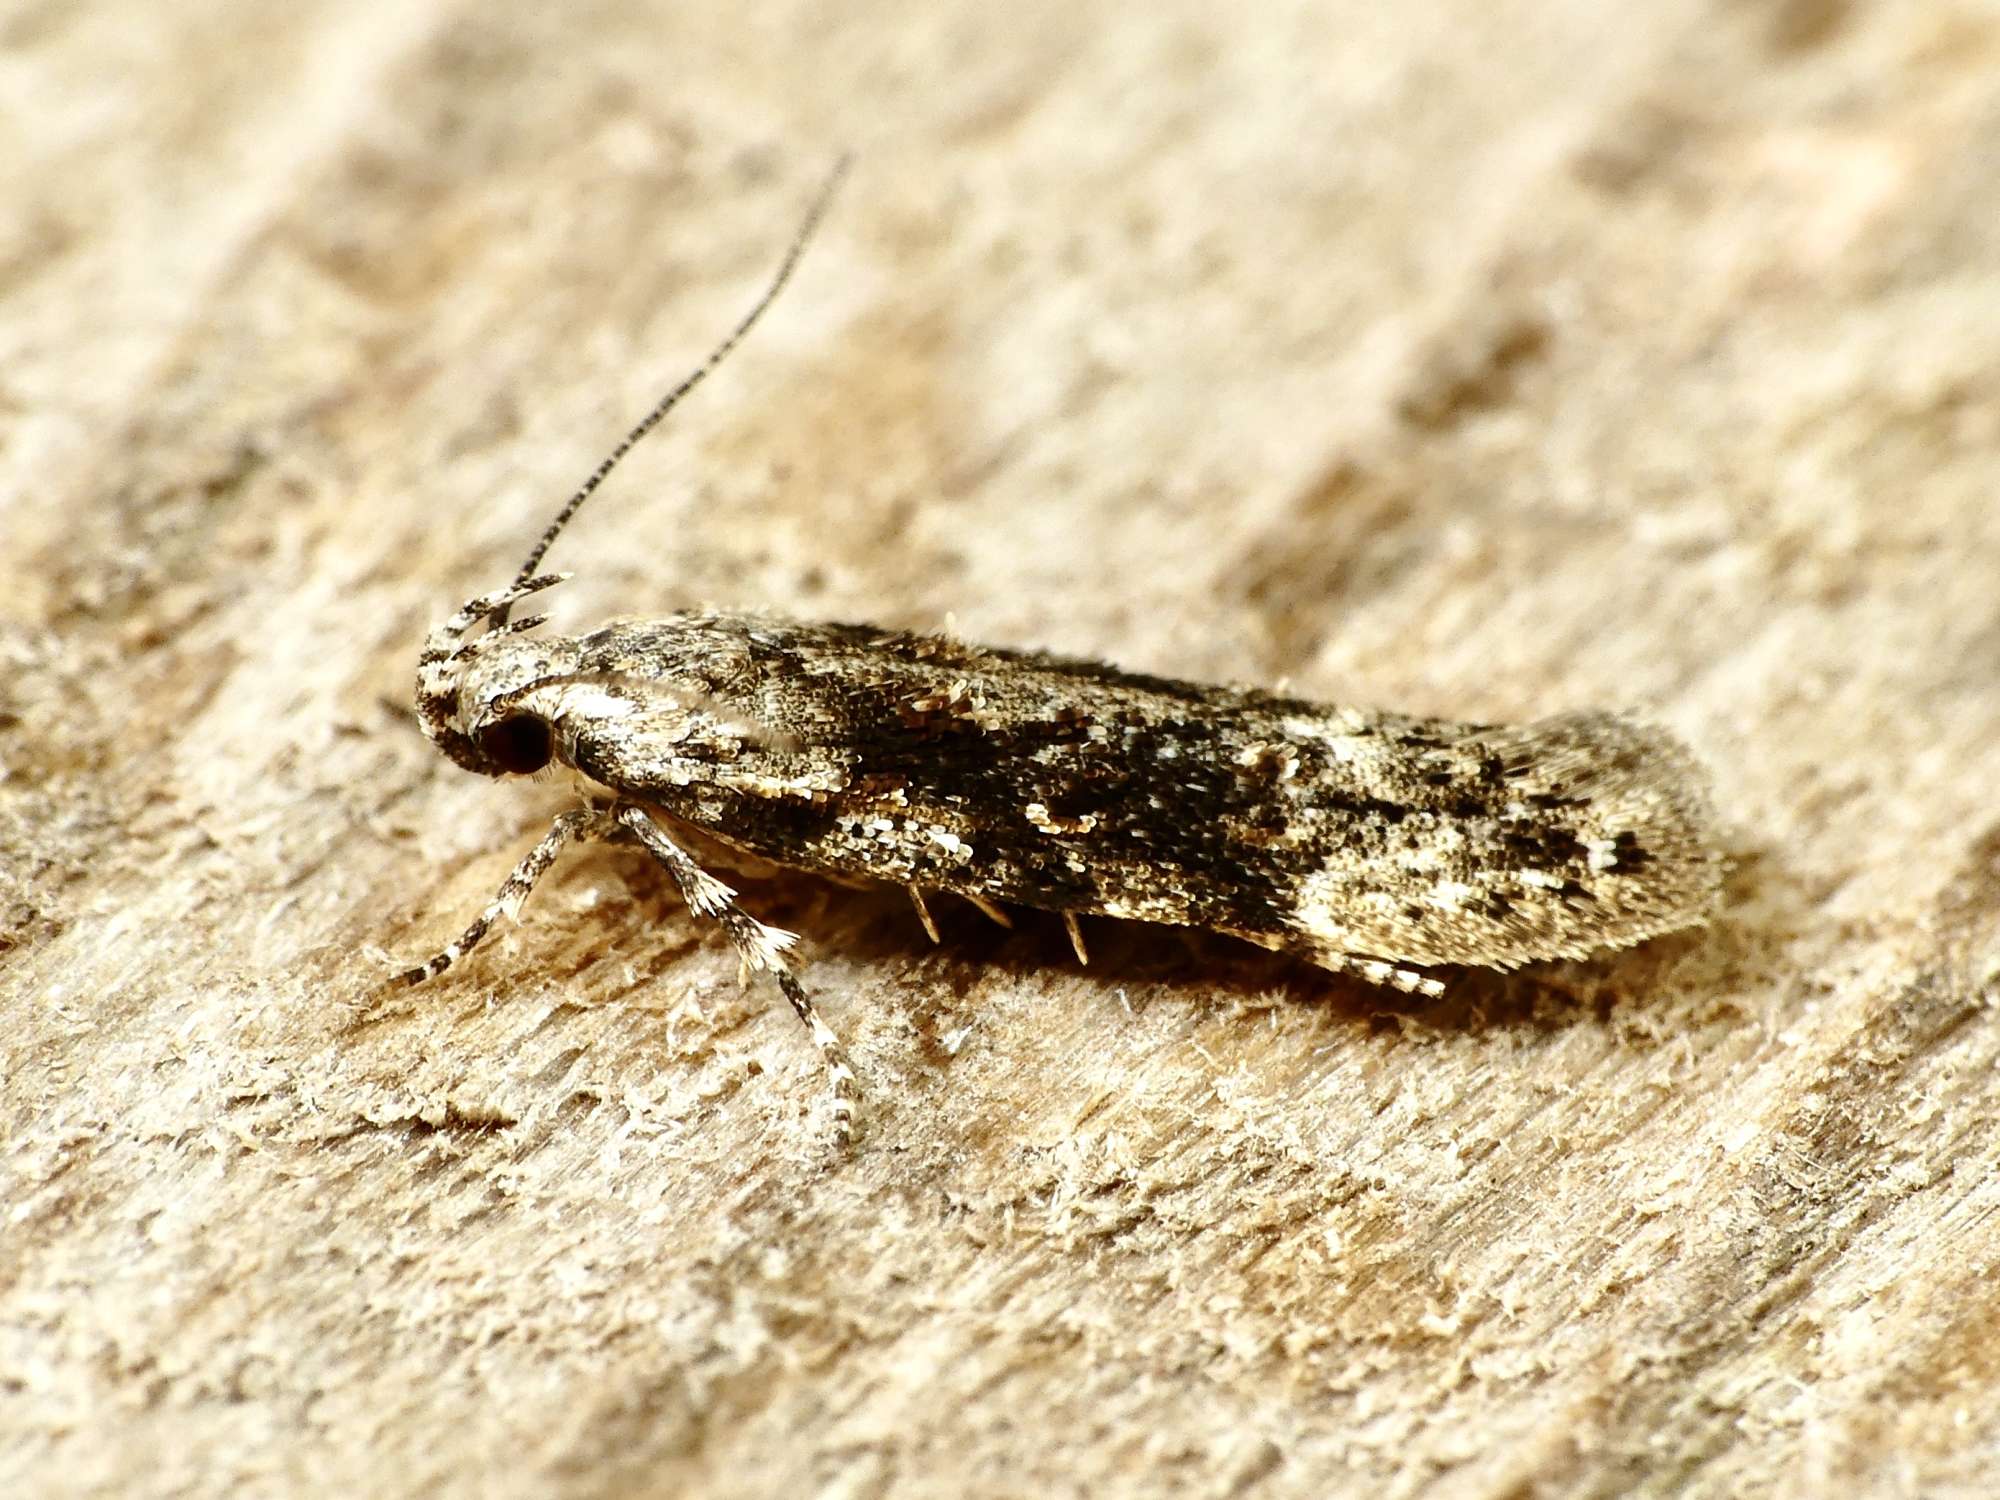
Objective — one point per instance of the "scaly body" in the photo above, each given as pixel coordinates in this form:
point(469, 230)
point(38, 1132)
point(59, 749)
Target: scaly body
point(1063, 784)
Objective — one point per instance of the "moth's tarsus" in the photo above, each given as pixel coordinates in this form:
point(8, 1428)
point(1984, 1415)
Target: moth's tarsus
point(513, 891)
point(1371, 843)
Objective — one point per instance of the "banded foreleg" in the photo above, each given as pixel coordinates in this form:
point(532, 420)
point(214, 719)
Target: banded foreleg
point(513, 891)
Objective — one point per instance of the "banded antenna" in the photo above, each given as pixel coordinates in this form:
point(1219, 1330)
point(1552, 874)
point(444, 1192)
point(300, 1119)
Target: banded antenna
point(688, 382)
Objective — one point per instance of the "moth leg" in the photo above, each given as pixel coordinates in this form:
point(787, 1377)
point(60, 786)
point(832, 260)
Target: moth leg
point(758, 947)
point(989, 908)
point(1075, 930)
point(924, 913)
point(513, 891)
point(1388, 975)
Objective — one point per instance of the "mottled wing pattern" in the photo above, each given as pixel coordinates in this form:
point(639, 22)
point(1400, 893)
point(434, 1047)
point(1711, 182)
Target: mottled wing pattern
point(1068, 785)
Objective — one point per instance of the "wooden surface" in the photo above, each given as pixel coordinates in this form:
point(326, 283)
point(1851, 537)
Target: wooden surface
point(1470, 358)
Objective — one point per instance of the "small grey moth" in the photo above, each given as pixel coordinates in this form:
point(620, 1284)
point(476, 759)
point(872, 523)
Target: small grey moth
point(1375, 843)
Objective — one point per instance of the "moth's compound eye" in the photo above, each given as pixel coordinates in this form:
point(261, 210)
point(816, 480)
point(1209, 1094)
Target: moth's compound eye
point(520, 743)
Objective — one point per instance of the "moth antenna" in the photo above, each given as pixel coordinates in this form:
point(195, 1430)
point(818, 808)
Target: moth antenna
point(716, 356)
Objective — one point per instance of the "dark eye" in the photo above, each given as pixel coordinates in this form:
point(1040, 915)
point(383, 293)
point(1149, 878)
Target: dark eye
point(520, 744)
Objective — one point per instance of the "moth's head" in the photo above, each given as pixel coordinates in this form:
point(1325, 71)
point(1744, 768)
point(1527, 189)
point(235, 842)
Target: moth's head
point(472, 695)
point(469, 691)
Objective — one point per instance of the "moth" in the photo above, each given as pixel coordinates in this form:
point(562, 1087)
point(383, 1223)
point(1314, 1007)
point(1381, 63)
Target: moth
point(1374, 843)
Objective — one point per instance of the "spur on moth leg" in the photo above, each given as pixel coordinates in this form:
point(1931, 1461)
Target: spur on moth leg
point(924, 913)
point(993, 912)
point(1075, 931)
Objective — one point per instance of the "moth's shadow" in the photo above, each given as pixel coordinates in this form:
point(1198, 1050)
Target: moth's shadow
point(1206, 971)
